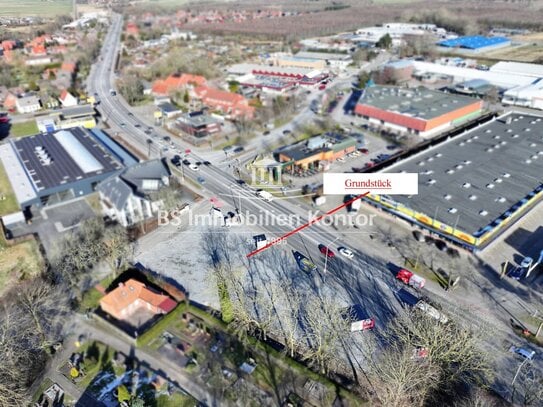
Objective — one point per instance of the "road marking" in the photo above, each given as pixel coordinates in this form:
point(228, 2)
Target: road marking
point(306, 225)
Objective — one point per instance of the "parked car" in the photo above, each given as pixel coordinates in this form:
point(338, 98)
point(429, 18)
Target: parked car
point(326, 251)
point(207, 163)
point(238, 149)
point(201, 180)
point(418, 236)
point(340, 160)
point(287, 131)
point(441, 245)
point(524, 352)
point(410, 278)
point(364, 150)
point(186, 162)
point(194, 167)
point(526, 262)
point(267, 132)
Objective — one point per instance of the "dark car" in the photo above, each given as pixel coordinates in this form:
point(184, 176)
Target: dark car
point(198, 163)
point(418, 236)
point(441, 245)
point(201, 180)
point(429, 239)
point(238, 149)
point(451, 251)
point(130, 114)
point(356, 169)
point(148, 131)
point(186, 162)
point(137, 125)
point(391, 147)
point(287, 131)
point(241, 182)
point(206, 163)
point(326, 251)
point(267, 132)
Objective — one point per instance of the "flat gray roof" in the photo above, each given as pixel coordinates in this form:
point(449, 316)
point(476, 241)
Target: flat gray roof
point(420, 103)
point(475, 178)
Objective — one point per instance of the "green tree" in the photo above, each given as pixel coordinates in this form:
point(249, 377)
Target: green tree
point(186, 97)
point(122, 393)
point(233, 86)
point(363, 78)
point(384, 42)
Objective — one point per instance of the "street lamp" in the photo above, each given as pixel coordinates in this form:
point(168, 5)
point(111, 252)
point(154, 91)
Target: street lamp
point(326, 258)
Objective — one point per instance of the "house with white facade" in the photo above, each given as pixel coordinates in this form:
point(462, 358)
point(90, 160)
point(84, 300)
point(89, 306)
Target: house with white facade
point(28, 104)
point(67, 99)
point(131, 196)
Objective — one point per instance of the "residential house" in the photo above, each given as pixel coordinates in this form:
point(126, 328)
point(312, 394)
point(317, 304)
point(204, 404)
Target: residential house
point(132, 297)
point(198, 124)
point(132, 29)
point(67, 99)
point(132, 195)
point(28, 104)
point(38, 60)
point(176, 82)
point(10, 101)
point(228, 103)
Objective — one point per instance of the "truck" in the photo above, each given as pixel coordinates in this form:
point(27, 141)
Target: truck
point(319, 200)
point(260, 241)
point(411, 279)
point(353, 206)
point(265, 195)
point(304, 263)
point(412, 301)
point(358, 317)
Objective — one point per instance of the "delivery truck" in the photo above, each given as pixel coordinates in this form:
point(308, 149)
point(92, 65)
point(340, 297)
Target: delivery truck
point(358, 317)
point(410, 278)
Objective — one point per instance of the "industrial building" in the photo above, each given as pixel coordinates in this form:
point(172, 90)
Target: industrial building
point(296, 76)
point(49, 168)
point(527, 96)
point(419, 111)
point(77, 116)
point(475, 43)
point(397, 32)
point(518, 68)
point(474, 185)
point(316, 152)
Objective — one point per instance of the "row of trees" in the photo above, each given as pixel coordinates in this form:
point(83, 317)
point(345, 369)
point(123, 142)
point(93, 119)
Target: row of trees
point(311, 328)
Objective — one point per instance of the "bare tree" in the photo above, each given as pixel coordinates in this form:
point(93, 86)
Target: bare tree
point(325, 328)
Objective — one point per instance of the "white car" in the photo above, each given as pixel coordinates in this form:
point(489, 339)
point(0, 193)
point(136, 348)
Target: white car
point(194, 167)
point(340, 160)
point(346, 252)
point(355, 153)
point(526, 262)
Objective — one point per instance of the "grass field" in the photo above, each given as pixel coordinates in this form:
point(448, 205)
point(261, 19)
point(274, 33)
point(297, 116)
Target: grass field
point(8, 202)
point(23, 129)
point(42, 8)
point(527, 53)
point(20, 261)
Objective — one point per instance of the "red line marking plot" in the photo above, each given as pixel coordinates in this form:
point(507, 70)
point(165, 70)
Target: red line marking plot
point(300, 228)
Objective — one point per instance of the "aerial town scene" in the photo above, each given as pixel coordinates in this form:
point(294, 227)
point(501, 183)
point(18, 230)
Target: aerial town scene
point(292, 203)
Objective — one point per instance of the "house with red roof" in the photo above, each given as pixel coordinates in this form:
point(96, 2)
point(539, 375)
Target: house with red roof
point(132, 298)
point(10, 102)
point(68, 66)
point(67, 99)
point(132, 29)
point(175, 82)
point(230, 104)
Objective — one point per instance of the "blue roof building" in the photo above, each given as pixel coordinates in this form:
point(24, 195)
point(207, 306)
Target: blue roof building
point(476, 43)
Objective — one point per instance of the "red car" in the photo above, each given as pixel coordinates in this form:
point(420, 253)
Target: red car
point(326, 251)
point(364, 150)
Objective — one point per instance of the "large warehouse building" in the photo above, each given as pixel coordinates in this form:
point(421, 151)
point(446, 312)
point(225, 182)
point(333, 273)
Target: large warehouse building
point(417, 111)
point(473, 186)
point(475, 43)
point(55, 167)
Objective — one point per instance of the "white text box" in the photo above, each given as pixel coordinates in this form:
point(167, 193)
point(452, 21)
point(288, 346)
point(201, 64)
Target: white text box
point(376, 184)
